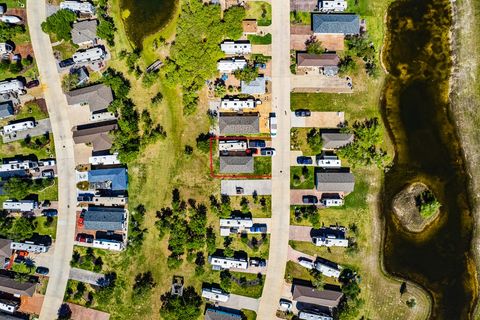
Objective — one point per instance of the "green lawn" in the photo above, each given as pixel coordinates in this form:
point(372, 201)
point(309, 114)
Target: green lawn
point(14, 3)
point(254, 39)
point(299, 17)
point(15, 148)
point(66, 49)
point(260, 10)
point(302, 177)
point(46, 230)
point(261, 251)
point(249, 314)
point(254, 206)
point(50, 193)
point(251, 291)
point(262, 165)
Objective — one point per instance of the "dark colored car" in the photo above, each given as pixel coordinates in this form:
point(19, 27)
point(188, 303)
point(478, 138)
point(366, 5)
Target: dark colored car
point(255, 262)
point(267, 152)
point(42, 270)
point(83, 237)
point(257, 144)
point(303, 113)
point(48, 173)
point(309, 199)
point(251, 151)
point(66, 63)
point(50, 212)
point(32, 84)
point(304, 160)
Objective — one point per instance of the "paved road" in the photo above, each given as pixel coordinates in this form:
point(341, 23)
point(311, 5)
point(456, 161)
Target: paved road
point(279, 226)
point(64, 148)
point(241, 302)
point(85, 276)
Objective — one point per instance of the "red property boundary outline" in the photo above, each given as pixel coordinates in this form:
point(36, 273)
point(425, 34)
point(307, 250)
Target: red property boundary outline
point(233, 176)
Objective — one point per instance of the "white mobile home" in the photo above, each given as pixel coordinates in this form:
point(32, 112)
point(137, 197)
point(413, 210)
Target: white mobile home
point(230, 65)
point(29, 247)
point(332, 5)
point(20, 206)
point(304, 315)
point(12, 86)
point(236, 47)
point(331, 237)
point(78, 6)
point(89, 55)
point(8, 305)
point(227, 263)
point(327, 268)
point(104, 160)
point(214, 294)
point(18, 165)
point(18, 126)
point(329, 162)
point(238, 104)
point(108, 244)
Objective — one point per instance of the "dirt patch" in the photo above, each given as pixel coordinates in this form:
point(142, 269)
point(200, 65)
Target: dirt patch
point(25, 50)
point(406, 210)
point(21, 13)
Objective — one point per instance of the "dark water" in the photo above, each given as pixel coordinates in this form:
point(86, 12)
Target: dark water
point(146, 17)
point(415, 109)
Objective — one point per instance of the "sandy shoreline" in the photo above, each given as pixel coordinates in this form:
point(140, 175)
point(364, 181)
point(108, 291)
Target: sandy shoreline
point(465, 107)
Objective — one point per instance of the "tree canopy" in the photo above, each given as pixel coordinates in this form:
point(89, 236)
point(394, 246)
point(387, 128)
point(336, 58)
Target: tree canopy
point(60, 24)
point(8, 31)
point(186, 307)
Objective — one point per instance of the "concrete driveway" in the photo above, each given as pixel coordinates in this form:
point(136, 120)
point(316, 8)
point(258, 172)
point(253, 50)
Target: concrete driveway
point(300, 233)
point(249, 187)
point(240, 302)
point(293, 255)
point(294, 154)
point(43, 126)
point(85, 276)
point(296, 195)
point(319, 83)
point(318, 119)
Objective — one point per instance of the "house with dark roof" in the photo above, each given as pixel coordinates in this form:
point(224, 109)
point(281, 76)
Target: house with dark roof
point(311, 296)
point(84, 32)
point(335, 23)
point(98, 97)
point(115, 179)
point(5, 250)
point(105, 218)
point(221, 314)
point(6, 109)
point(331, 182)
point(234, 164)
point(326, 63)
point(332, 141)
point(96, 134)
point(239, 124)
point(12, 286)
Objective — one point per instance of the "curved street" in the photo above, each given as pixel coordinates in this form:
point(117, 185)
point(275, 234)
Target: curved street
point(64, 149)
point(279, 227)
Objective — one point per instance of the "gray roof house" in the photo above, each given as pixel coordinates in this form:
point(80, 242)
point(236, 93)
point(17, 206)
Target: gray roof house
point(6, 109)
point(332, 141)
point(5, 251)
point(332, 23)
point(236, 165)
point(324, 298)
point(256, 86)
point(98, 97)
point(330, 182)
point(238, 124)
point(84, 32)
point(96, 133)
point(219, 314)
point(104, 218)
point(16, 288)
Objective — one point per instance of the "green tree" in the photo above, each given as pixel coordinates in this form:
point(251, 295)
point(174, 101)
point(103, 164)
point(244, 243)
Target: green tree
point(186, 307)
point(314, 46)
point(17, 188)
point(9, 31)
point(22, 229)
point(317, 280)
point(347, 65)
point(106, 29)
point(247, 74)
point(69, 82)
point(60, 24)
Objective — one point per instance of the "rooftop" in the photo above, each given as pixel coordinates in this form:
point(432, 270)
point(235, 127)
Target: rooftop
point(236, 164)
point(12, 286)
point(115, 178)
point(98, 97)
point(333, 23)
point(218, 314)
point(336, 140)
point(84, 31)
point(317, 60)
point(104, 218)
point(335, 181)
point(96, 134)
point(236, 124)
point(326, 298)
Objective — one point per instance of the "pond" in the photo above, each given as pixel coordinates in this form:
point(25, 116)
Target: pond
point(144, 17)
point(415, 109)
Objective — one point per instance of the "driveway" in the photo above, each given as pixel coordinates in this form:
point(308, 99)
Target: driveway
point(293, 255)
point(43, 126)
point(300, 233)
point(85, 276)
point(61, 128)
point(240, 302)
point(246, 187)
point(319, 83)
point(296, 195)
point(317, 119)
point(252, 270)
point(265, 49)
point(294, 154)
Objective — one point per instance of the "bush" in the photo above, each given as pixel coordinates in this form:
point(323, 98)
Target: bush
point(254, 39)
point(106, 29)
point(8, 31)
point(203, 142)
point(347, 65)
point(60, 24)
point(247, 74)
point(427, 203)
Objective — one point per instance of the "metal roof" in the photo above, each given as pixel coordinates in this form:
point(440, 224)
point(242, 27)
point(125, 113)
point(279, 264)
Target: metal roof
point(326, 298)
point(317, 60)
point(335, 181)
point(98, 97)
point(84, 31)
point(104, 218)
point(256, 86)
point(116, 177)
point(6, 109)
point(331, 23)
point(236, 165)
point(217, 314)
point(336, 140)
point(235, 124)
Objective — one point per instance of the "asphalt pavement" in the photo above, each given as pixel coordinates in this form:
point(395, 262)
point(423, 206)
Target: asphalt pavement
point(64, 149)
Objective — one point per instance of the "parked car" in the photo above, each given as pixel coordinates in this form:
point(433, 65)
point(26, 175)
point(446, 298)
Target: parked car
point(66, 63)
point(285, 305)
point(306, 263)
point(256, 144)
point(83, 237)
point(302, 113)
point(304, 160)
point(50, 212)
point(309, 199)
point(48, 173)
point(273, 124)
point(32, 84)
point(42, 270)
point(267, 152)
point(255, 262)
point(251, 151)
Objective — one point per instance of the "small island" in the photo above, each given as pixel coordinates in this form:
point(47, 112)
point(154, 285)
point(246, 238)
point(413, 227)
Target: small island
point(416, 207)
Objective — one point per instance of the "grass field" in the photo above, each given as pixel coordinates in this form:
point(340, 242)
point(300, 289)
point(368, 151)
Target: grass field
point(260, 10)
point(304, 181)
point(254, 39)
point(262, 165)
point(299, 17)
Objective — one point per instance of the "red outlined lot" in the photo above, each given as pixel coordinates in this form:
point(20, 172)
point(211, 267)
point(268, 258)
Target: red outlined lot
point(235, 176)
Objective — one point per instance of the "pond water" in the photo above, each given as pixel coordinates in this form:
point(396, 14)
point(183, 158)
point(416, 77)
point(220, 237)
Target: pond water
point(415, 108)
point(144, 17)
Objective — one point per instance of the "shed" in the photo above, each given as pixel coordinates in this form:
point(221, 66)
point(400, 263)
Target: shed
point(6, 109)
point(236, 165)
point(332, 23)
